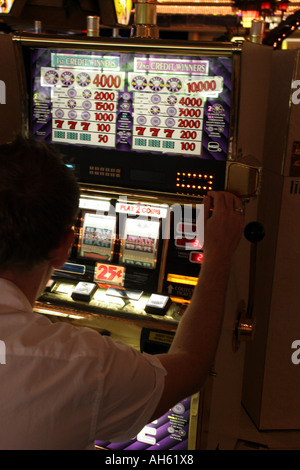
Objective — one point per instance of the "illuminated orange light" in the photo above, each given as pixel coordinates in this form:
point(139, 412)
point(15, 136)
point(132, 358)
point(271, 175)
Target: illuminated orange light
point(248, 17)
point(192, 281)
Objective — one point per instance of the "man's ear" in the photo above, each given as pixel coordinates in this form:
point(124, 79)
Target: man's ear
point(60, 254)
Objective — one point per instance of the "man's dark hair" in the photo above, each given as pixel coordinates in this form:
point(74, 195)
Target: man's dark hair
point(38, 202)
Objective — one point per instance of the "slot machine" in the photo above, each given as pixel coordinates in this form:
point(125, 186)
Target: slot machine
point(149, 128)
point(271, 400)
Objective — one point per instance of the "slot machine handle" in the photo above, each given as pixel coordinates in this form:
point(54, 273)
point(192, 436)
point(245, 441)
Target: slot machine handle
point(245, 324)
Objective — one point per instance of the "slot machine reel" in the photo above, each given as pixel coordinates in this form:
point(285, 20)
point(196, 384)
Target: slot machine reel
point(245, 323)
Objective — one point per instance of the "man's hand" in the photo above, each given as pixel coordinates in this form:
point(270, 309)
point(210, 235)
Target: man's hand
point(223, 230)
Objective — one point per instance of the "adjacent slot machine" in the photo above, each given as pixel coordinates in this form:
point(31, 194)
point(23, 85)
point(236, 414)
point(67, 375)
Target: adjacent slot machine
point(148, 127)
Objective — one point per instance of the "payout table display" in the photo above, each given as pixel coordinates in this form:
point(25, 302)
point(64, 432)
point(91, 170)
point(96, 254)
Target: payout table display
point(142, 103)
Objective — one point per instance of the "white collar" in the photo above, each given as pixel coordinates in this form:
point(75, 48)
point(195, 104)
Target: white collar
point(12, 297)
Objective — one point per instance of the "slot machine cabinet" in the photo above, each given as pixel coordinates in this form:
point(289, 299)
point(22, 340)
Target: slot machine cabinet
point(129, 165)
point(271, 385)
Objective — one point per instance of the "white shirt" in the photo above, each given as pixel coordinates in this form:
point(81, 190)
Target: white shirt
point(62, 387)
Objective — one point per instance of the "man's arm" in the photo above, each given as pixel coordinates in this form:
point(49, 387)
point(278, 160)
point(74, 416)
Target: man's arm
point(192, 352)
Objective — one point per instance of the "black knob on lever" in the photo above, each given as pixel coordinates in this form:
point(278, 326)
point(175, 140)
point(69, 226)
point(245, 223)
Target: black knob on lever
point(254, 232)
